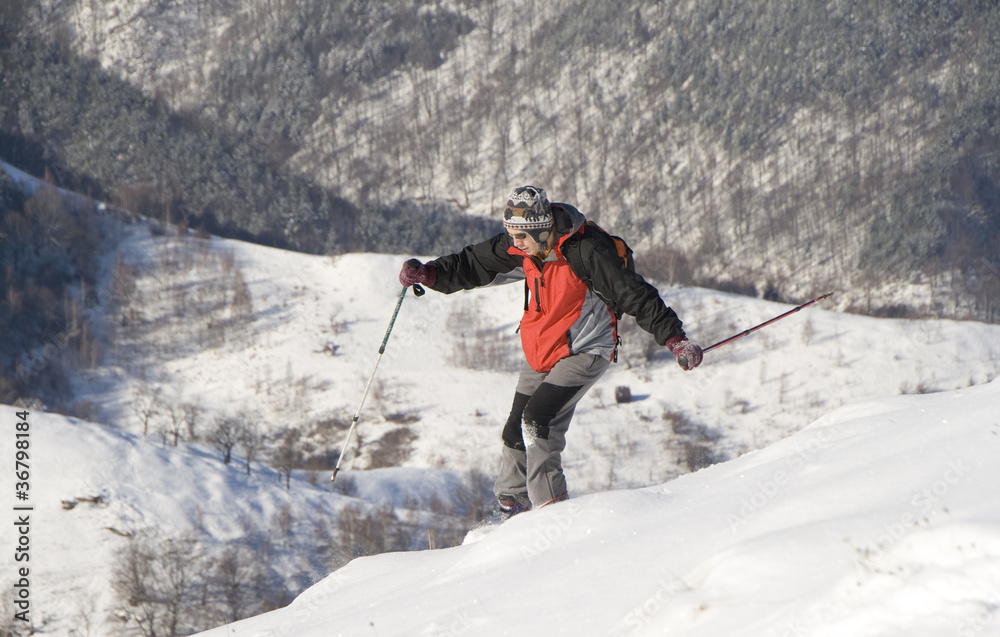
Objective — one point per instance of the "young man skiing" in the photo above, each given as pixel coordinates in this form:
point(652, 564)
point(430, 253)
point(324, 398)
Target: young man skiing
point(577, 286)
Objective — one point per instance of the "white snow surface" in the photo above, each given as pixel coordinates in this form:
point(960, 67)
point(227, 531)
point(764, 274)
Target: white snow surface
point(845, 509)
point(878, 519)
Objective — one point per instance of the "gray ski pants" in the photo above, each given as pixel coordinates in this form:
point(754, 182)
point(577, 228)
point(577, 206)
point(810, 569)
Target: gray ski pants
point(535, 433)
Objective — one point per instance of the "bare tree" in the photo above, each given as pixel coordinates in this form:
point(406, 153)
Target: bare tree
point(288, 455)
point(176, 415)
point(179, 562)
point(236, 576)
point(192, 415)
point(134, 582)
point(145, 405)
point(250, 439)
point(371, 531)
point(224, 436)
point(84, 619)
point(241, 309)
point(359, 532)
point(157, 585)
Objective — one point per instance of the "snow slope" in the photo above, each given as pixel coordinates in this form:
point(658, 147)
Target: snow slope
point(879, 518)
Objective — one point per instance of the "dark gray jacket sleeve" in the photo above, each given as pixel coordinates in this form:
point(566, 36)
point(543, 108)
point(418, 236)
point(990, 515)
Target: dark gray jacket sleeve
point(475, 266)
point(597, 263)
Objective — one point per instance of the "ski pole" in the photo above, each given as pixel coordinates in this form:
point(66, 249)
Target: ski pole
point(682, 361)
point(417, 291)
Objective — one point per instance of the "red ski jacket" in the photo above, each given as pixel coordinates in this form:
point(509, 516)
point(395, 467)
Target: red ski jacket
point(569, 294)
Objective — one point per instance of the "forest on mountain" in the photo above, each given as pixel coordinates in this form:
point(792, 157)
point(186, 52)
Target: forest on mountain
point(771, 148)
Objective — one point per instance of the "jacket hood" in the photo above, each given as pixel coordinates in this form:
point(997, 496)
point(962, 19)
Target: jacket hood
point(568, 220)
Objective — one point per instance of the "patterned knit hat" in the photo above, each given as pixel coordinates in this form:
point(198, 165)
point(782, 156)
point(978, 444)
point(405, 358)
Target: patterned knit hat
point(528, 211)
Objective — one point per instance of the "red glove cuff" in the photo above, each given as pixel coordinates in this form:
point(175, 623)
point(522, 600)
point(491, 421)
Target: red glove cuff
point(674, 340)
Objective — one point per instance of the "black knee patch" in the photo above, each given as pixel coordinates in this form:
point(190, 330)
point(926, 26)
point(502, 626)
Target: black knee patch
point(512, 429)
point(544, 405)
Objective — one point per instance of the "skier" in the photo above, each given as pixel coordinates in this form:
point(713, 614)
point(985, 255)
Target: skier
point(577, 286)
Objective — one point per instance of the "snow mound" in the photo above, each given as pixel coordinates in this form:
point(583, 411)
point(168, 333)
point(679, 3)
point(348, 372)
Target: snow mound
point(876, 519)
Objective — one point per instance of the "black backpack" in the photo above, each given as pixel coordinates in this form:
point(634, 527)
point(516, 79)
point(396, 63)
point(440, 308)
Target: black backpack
point(622, 248)
point(595, 232)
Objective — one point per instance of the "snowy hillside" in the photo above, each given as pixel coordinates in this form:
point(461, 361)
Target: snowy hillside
point(295, 353)
point(94, 489)
point(300, 354)
point(878, 519)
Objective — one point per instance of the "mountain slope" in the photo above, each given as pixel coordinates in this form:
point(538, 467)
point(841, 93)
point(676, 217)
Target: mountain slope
point(877, 519)
point(768, 147)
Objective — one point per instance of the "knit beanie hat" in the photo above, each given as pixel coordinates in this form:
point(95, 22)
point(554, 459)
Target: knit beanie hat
point(528, 211)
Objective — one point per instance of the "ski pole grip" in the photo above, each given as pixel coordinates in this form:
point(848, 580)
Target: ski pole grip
point(418, 290)
point(682, 361)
